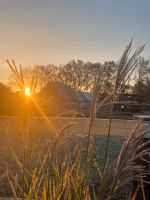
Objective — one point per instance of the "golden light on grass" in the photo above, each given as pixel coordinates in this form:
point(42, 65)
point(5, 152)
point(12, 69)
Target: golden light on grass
point(27, 91)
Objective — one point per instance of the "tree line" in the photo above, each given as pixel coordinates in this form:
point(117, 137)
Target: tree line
point(81, 76)
point(78, 75)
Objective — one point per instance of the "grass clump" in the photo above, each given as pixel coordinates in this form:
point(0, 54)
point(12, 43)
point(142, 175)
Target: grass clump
point(62, 168)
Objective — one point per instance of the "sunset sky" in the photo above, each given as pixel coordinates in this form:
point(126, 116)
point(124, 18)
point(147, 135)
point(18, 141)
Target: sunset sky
point(52, 31)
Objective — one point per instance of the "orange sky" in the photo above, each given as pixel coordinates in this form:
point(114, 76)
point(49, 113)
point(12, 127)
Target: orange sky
point(42, 32)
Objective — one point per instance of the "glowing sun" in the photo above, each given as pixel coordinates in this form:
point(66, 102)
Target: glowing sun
point(27, 91)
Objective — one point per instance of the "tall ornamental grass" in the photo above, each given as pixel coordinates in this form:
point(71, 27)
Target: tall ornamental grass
point(61, 168)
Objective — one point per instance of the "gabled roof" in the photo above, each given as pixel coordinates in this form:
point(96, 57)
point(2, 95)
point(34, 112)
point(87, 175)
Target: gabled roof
point(63, 92)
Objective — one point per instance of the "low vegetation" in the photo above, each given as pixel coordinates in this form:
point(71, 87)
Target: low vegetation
point(61, 168)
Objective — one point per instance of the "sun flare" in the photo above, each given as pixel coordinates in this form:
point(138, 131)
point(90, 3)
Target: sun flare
point(27, 91)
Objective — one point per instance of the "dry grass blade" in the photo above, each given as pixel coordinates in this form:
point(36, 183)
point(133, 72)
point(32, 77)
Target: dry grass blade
point(61, 139)
point(21, 80)
point(12, 187)
point(126, 168)
point(142, 186)
point(126, 67)
point(93, 110)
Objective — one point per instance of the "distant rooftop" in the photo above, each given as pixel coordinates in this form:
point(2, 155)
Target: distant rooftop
point(63, 92)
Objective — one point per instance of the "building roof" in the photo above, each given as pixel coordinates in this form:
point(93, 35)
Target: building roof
point(63, 92)
point(83, 96)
